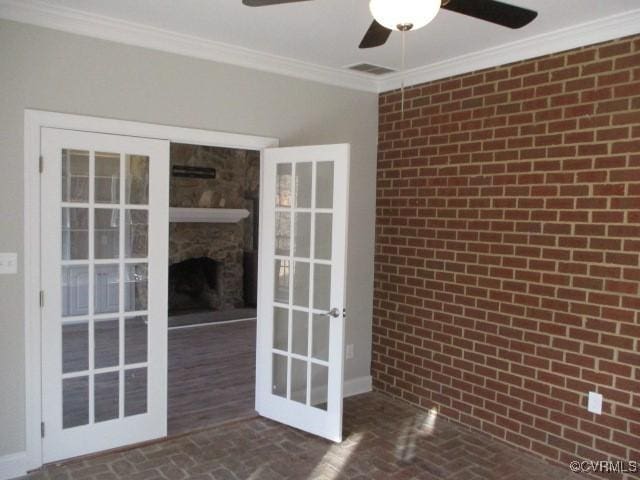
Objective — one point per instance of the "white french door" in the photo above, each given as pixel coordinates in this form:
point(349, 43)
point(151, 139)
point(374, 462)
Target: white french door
point(105, 205)
point(301, 308)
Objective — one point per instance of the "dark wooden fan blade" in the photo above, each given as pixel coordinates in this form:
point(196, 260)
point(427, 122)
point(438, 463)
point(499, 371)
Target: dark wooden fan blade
point(264, 3)
point(493, 11)
point(376, 35)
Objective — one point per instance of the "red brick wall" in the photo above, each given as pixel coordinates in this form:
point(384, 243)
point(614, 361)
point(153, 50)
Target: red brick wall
point(507, 252)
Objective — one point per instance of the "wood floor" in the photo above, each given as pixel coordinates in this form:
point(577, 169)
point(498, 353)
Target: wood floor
point(211, 375)
point(199, 318)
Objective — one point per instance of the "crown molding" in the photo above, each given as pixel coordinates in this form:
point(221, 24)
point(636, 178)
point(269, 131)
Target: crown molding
point(40, 13)
point(589, 33)
point(121, 31)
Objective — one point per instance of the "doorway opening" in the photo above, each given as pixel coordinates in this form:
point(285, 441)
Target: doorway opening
point(212, 295)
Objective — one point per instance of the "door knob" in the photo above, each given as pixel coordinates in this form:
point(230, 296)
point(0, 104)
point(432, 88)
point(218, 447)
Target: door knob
point(334, 312)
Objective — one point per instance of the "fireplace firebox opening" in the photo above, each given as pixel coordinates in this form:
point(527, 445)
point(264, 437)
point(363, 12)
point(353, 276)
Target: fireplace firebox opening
point(195, 284)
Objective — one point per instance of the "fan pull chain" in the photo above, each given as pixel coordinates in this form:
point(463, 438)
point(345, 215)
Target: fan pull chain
point(402, 84)
point(402, 68)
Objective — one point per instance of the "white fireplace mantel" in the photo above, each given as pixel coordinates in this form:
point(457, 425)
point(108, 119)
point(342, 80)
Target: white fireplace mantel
point(207, 215)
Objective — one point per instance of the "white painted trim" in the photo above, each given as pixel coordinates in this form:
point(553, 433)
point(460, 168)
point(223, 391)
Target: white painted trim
point(191, 136)
point(37, 12)
point(207, 215)
point(357, 386)
point(589, 33)
point(32, 327)
point(13, 465)
point(131, 33)
point(34, 121)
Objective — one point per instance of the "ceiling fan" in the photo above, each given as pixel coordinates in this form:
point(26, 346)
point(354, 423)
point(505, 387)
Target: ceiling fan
point(405, 15)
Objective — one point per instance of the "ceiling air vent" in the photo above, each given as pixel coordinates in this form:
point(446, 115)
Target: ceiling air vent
point(371, 69)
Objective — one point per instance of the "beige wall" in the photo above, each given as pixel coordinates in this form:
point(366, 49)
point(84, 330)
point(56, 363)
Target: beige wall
point(48, 70)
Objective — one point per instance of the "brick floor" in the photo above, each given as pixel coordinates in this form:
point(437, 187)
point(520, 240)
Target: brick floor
point(384, 439)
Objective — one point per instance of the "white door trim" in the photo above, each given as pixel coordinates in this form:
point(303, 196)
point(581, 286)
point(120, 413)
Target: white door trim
point(34, 121)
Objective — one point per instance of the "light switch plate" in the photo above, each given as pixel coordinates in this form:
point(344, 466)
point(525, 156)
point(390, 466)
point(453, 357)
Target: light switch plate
point(349, 351)
point(595, 403)
point(8, 263)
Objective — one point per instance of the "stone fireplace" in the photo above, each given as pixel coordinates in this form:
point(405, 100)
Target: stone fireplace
point(211, 263)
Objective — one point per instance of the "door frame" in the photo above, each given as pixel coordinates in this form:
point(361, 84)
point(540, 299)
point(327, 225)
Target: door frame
point(34, 121)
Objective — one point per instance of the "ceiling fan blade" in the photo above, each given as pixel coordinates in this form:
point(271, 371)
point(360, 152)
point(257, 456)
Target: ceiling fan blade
point(265, 3)
point(493, 11)
point(376, 35)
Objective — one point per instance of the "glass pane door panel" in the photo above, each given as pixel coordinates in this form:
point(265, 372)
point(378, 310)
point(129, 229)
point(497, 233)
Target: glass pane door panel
point(323, 236)
point(300, 333)
point(319, 386)
point(321, 287)
point(283, 185)
point(279, 375)
point(281, 329)
point(107, 289)
point(107, 178)
point(106, 335)
point(75, 347)
point(75, 290)
point(283, 233)
point(320, 335)
point(135, 391)
point(281, 281)
point(137, 180)
point(75, 176)
point(106, 395)
point(75, 233)
point(135, 340)
point(312, 188)
point(301, 284)
point(136, 233)
point(302, 227)
point(304, 172)
point(298, 380)
point(75, 402)
point(324, 185)
point(107, 233)
point(106, 284)
point(136, 292)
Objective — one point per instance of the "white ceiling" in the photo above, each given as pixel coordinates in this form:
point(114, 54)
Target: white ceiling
point(324, 34)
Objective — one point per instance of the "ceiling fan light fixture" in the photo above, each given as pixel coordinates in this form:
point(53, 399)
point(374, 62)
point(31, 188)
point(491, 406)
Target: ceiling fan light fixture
point(404, 15)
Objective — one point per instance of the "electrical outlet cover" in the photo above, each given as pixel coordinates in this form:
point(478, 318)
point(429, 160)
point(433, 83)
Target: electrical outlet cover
point(595, 403)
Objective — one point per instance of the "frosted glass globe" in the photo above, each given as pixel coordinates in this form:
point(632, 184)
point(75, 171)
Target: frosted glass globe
point(395, 13)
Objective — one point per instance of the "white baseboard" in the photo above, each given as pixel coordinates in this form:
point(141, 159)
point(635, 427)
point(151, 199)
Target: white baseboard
point(356, 386)
point(13, 465)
